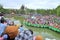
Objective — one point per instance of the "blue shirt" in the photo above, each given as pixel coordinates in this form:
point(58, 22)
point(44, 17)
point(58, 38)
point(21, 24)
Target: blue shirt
point(2, 28)
point(21, 29)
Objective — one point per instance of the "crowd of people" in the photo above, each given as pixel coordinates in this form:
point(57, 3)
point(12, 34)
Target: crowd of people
point(50, 20)
point(10, 31)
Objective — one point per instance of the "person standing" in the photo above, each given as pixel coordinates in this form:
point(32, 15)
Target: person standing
point(2, 26)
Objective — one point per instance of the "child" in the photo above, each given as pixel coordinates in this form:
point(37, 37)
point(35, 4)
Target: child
point(21, 28)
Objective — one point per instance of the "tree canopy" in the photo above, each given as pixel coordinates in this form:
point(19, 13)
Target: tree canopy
point(24, 10)
point(58, 10)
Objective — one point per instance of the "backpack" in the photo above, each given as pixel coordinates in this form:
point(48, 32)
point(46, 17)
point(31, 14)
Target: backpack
point(12, 31)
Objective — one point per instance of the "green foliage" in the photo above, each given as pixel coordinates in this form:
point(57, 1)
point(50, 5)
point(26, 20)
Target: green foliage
point(31, 10)
point(41, 11)
point(24, 10)
point(58, 10)
point(7, 11)
point(1, 7)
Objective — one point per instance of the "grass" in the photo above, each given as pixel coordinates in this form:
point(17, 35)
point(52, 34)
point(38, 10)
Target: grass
point(19, 18)
point(44, 30)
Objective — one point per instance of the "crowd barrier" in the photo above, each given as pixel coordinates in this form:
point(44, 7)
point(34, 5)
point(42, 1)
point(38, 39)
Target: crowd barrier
point(42, 26)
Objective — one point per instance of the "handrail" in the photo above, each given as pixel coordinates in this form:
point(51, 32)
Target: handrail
point(42, 26)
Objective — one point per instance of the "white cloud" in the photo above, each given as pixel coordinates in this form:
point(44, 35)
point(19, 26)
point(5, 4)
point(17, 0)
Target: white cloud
point(33, 4)
point(45, 4)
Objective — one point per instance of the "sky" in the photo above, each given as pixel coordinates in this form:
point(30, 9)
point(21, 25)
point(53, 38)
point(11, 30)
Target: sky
point(32, 4)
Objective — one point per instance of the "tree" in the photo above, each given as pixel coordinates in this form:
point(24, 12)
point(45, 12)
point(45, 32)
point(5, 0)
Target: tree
point(41, 11)
point(51, 11)
point(1, 8)
point(31, 10)
point(58, 10)
point(22, 11)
